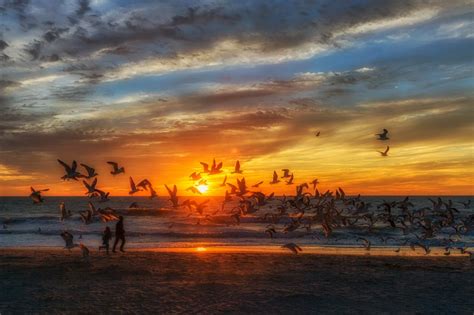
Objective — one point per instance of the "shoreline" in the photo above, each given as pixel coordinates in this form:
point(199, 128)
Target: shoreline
point(203, 248)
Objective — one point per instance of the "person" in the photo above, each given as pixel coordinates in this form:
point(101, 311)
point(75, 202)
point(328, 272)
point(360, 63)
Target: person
point(119, 234)
point(106, 236)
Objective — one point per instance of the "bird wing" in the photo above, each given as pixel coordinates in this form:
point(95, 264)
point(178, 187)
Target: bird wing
point(66, 167)
point(237, 166)
point(205, 166)
point(275, 176)
point(386, 150)
point(114, 164)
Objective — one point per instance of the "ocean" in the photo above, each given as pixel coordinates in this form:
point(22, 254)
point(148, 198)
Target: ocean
point(155, 224)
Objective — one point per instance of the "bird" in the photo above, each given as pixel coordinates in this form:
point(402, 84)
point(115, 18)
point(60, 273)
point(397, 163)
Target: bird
point(318, 133)
point(383, 136)
point(237, 169)
point(133, 187)
point(195, 176)
point(91, 191)
point(146, 185)
point(384, 153)
point(65, 214)
point(215, 168)
point(90, 171)
point(315, 182)
point(290, 181)
point(286, 173)
point(117, 170)
point(103, 195)
point(173, 195)
point(257, 184)
point(71, 172)
point(36, 195)
point(275, 178)
point(194, 190)
point(69, 240)
point(224, 181)
point(85, 251)
point(205, 167)
point(293, 247)
point(366, 242)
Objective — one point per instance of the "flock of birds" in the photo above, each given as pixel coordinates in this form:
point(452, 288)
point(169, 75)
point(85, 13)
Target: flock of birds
point(319, 214)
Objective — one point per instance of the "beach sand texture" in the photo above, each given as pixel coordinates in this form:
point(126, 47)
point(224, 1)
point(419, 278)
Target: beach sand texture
point(57, 281)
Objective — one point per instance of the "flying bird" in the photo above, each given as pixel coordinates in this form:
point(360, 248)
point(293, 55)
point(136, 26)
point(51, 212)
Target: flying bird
point(133, 187)
point(91, 191)
point(290, 181)
point(173, 195)
point(384, 153)
point(293, 247)
point(237, 169)
point(257, 184)
point(116, 169)
point(196, 176)
point(36, 195)
point(318, 133)
point(194, 190)
point(275, 179)
point(224, 181)
point(383, 136)
point(90, 171)
point(69, 240)
point(71, 172)
point(286, 173)
point(103, 195)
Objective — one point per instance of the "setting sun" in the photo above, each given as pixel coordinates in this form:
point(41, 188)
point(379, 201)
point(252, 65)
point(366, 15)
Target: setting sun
point(201, 249)
point(202, 188)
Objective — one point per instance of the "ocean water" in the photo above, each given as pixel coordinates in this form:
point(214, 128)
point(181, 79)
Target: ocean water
point(156, 224)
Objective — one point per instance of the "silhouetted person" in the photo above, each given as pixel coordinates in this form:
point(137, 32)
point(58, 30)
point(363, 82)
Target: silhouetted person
point(119, 234)
point(106, 236)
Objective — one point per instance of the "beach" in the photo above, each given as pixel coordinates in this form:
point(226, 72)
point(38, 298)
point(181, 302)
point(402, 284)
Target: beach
point(147, 281)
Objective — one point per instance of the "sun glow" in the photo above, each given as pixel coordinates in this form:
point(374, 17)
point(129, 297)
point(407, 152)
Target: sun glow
point(201, 249)
point(202, 188)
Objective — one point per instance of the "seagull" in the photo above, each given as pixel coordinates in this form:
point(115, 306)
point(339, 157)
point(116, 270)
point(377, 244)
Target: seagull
point(275, 178)
point(133, 187)
point(85, 251)
point(286, 173)
point(68, 239)
point(103, 195)
point(383, 136)
point(116, 169)
point(195, 176)
point(224, 181)
point(194, 190)
point(315, 182)
point(293, 247)
point(146, 184)
point(290, 181)
point(205, 167)
point(91, 191)
point(257, 184)
point(318, 133)
point(173, 195)
point(215, 169)
point(64, 213)
point(237, 169)
point(384, 153)
point(90, 171)
point(367, 243)
point(71, 172)
point(36, 195)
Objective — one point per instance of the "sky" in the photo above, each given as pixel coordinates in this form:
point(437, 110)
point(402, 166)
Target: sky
point(162, 86)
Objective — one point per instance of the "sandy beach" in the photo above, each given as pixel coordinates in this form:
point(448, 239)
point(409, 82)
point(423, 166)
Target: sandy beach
point(56, 281)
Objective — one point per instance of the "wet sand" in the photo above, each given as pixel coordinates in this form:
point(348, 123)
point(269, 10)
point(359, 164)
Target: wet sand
point(56, 281)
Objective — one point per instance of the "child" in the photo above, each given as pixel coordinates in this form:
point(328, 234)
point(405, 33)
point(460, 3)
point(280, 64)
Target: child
point(106, 236)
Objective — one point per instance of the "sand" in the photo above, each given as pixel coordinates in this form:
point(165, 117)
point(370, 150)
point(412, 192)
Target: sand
point(55, 281)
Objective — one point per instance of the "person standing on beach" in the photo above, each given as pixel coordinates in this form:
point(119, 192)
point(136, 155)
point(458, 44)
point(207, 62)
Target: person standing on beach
point(106, 236)
point(119, 234)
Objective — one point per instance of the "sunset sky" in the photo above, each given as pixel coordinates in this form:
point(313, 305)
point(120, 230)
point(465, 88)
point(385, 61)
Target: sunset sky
point(159, 87)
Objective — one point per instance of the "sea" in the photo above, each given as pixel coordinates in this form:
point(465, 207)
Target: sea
point(155, 224)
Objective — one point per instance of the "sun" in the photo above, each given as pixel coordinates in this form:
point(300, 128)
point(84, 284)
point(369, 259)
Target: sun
point(201, 249)
point(202, 188)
